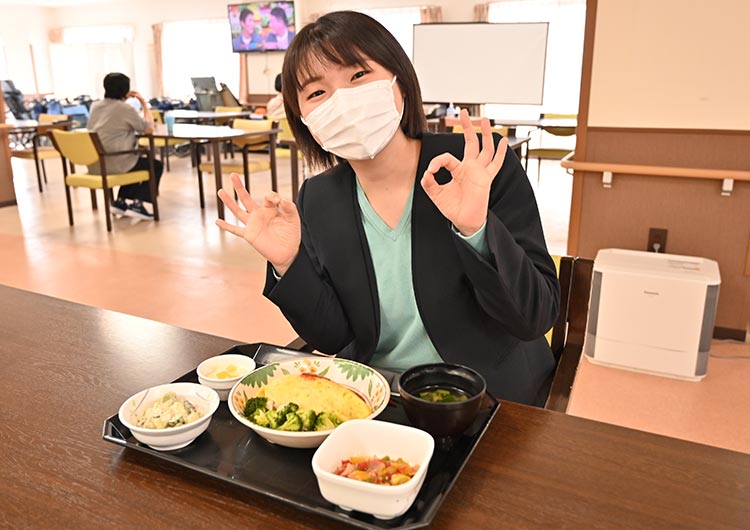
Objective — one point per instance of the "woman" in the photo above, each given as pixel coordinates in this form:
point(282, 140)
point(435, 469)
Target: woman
point(388, 258)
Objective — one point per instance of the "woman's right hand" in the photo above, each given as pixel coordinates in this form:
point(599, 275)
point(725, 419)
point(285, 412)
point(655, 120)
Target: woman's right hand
point(273, 228)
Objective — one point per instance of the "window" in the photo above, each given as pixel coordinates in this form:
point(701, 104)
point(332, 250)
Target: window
point(562, 77)
point(98, 35)
point(400, 22)
point(86, 54)
point(198, 48)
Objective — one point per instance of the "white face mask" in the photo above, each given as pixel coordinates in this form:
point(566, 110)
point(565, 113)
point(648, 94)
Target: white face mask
point(356, 123)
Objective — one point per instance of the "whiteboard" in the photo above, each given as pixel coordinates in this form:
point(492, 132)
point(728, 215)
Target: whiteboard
point(481, 63)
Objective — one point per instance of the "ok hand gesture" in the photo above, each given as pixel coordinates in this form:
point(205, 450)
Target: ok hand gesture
point(273, 229)
point(464, 200)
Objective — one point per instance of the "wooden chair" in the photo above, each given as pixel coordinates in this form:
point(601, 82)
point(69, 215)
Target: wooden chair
point(550, 153)
point(37, 152)
point(284, 151)
point(84, 148)
point(565, 337)
point(228, 146)
point(247, 145)
point(569, 330)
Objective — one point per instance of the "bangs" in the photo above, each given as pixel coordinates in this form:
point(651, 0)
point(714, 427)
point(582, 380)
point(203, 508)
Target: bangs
point(316, 53)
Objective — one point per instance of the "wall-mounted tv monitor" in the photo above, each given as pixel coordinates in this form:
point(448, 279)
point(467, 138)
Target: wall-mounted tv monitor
point(261, 26)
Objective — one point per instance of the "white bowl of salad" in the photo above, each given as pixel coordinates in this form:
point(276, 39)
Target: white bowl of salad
point(170, 416)
point(373, 466)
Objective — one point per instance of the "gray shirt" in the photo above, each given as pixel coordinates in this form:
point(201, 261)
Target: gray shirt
point(117, 124)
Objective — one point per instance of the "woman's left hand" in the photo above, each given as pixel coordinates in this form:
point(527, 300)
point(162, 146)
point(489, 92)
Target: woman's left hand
point(464, 200)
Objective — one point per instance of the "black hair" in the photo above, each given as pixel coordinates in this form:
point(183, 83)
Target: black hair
point(279, 13)
point(346, 38)
point(116, 85)
point(244, 14)
point(277, 83)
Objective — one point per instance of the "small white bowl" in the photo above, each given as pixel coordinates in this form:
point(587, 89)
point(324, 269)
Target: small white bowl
point(244, 364)
point(372, 438)
point(205, 399)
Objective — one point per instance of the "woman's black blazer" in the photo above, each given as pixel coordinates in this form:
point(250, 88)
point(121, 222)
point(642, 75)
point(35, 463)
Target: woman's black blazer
point(489, 315)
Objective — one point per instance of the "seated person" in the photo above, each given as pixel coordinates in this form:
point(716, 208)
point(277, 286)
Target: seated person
point(248, 39)
point(117, 124)
point(275, 105)
point(280, 36)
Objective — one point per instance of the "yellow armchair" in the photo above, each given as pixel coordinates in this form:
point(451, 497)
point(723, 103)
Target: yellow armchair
point(37, 152)
point(547, 152)
point(84, 148)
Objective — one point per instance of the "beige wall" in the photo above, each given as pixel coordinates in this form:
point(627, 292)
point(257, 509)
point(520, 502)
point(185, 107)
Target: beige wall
point(663, 92)
point(453, 10)
point(671, 64)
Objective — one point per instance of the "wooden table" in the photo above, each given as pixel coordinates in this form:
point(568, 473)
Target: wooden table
point(35, 129)
point(67, 367)
point(214, 135)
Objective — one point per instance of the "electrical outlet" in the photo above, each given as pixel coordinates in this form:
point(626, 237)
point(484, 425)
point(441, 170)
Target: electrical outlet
point(657, 240)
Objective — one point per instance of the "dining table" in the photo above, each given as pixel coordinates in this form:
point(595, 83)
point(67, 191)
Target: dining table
point(185, 115)
point(67, 367)
point(213, 135)
point(30, 131)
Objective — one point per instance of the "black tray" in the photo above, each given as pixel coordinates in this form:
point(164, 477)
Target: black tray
point(231, 452)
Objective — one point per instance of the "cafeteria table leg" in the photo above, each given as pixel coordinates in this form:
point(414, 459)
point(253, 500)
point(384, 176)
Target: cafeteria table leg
point(36, 164)
point(295, 172)
point(217, 173)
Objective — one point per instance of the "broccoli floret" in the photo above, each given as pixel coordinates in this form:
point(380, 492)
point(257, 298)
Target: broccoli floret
point(274, 419)
point(308, 420)
point(287, 409)
point(254, 403)
point(326, 421)
point(259, 417)
point(292, 423)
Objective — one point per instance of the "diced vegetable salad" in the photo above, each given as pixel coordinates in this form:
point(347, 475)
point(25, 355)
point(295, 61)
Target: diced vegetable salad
point(377, 470)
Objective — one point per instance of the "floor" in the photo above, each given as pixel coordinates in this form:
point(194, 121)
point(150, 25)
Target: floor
point(182, 270)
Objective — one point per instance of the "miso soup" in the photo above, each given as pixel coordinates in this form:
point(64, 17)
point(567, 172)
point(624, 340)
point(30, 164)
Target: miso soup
point(442, 394)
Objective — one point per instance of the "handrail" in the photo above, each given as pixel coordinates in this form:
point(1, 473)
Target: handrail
point(657, 171)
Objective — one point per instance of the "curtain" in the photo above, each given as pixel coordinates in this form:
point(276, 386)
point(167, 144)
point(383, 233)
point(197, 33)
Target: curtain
point(158, 71)
point(431, 14)
point(244, 92)
point(481, 12)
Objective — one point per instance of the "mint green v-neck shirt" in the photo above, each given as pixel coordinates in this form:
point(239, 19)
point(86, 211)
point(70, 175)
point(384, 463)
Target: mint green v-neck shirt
point(403, 341)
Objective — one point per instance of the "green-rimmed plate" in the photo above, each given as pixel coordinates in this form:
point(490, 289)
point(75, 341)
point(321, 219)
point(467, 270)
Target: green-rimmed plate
point(366, 381)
